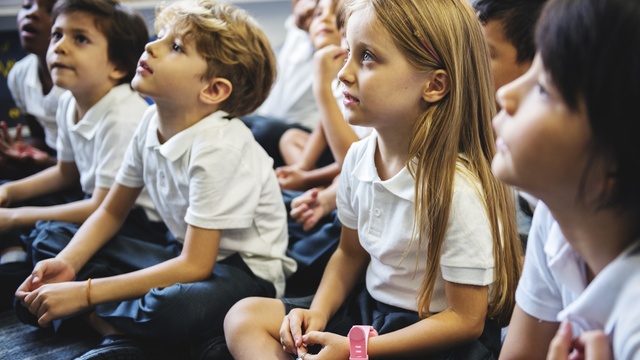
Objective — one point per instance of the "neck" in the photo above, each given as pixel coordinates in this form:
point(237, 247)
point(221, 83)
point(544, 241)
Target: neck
point(85, 101)
point(392, 151)
point(599, 236)
point(44, 75)
point(174, 119)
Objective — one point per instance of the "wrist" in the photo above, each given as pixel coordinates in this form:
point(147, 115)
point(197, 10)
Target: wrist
point(358, 341)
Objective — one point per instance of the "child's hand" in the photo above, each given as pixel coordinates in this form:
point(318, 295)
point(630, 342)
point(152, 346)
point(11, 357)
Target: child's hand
point(590, 345)
point(333, 346)
point(17, 150)
point(291, 178)
point(54, 301)
point(297, 323)
point(308, 208)
point(45, 272)
point(327, 62)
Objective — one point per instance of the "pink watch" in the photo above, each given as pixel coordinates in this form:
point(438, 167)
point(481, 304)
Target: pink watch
point(358, 339)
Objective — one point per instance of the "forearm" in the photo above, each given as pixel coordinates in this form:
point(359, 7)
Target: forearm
point(341, 275)
point(138, 283)
point(339, 135)
point(316, 144)
point(436, 333)
point(322, 176)
point(74, 212)
point(47, 181)
point(100, 226)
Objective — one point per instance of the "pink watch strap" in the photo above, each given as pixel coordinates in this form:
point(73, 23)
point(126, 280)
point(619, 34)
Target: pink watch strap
point(358, 338)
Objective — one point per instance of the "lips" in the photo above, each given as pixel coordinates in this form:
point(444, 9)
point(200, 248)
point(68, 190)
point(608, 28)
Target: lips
point(349, 97)
point(28, 28)
point(57, 65)
point(143, 67)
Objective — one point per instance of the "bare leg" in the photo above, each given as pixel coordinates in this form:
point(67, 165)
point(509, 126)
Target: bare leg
point(252, 329)
point(292, 145)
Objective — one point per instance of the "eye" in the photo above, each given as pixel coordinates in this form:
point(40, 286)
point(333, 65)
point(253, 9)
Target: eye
point(367, 56)
point(82, 39)
point(542, 90)
point(177, 48)
point(56, 35)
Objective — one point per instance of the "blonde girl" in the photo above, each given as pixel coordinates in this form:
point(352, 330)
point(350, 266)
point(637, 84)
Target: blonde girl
point(423, 218)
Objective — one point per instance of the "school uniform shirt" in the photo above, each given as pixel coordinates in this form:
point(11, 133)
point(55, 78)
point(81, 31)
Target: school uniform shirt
point(214, 175)
point(291, 98)
point(554, 287)
point(383, 214)
point(97, 142)
point(26, 89)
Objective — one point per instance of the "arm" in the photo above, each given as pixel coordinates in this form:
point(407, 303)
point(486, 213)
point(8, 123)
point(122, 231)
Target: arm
point(527, 337)
point(339, 135)
point(195, 263)
point(47, 181)
point(342, 273)
point(296, 179)
point(75, 212)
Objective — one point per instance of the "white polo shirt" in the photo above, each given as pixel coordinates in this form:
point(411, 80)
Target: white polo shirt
point(291, 98)
point(553, 287)
point(383, 214)
point(26, 89)
point(214, 175)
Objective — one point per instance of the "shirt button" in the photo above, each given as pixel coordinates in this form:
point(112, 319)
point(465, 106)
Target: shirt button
point(376, 212)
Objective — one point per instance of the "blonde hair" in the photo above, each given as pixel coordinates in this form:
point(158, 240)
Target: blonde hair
point(232, 43)
point(445, 34)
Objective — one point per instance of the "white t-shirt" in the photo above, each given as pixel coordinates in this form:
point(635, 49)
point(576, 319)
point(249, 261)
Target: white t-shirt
point(383, 214)
point(214, 175)
point(97, 142)
point(291, 98)
point(553, 287)
point(26, 89)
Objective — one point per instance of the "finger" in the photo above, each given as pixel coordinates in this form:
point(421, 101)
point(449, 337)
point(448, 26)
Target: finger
point(24, 288)
point(297, 211)
point(18, 132)
point(309, 223)
point(4, 131)
point(295, 327)
point(286, 340)
point(560, 345)
point(594, 345)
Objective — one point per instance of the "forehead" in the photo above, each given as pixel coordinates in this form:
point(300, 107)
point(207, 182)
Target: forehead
point(363, 26)
point(78, 21)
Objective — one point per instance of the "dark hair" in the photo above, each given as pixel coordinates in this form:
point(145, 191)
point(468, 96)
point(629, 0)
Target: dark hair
point(591, 51)
point(125, 30)
point(518, 18)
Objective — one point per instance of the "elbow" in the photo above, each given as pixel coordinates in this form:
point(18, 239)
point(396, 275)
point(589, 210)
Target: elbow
point(474, 328)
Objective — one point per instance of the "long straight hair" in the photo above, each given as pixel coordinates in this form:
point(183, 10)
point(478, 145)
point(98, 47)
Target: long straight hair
point(453, 135)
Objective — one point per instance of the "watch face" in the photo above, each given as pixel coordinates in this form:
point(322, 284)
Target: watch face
point(357, 334)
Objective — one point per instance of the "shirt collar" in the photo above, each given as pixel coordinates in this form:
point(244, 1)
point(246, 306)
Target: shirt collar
point(593, 308)
point(88, 125)
point(178, 144)
point(401, 185)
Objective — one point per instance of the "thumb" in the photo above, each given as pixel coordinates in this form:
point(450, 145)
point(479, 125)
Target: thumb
point(561, 343)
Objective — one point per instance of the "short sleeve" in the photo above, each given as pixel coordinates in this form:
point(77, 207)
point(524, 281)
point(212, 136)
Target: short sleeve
point(538, 293)
point(346, 212)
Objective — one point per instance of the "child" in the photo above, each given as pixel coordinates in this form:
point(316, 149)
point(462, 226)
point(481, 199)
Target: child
point(93, 52)
point(574, 147)
point(301, 150)
point(508, 27)
point(314, 228)
point(290, 103)
point(440, 265)
point(34, 94)
point(212, 184)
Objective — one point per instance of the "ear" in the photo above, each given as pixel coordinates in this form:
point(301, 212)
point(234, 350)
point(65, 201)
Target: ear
point(217, 91)
point(116, 74)
point(437, 86)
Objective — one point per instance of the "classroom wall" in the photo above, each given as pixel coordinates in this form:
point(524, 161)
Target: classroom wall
point(271, 14)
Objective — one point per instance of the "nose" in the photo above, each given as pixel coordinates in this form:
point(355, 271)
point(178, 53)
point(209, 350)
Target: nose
point(150, 48)
point(508, 96)
point(345, 75)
